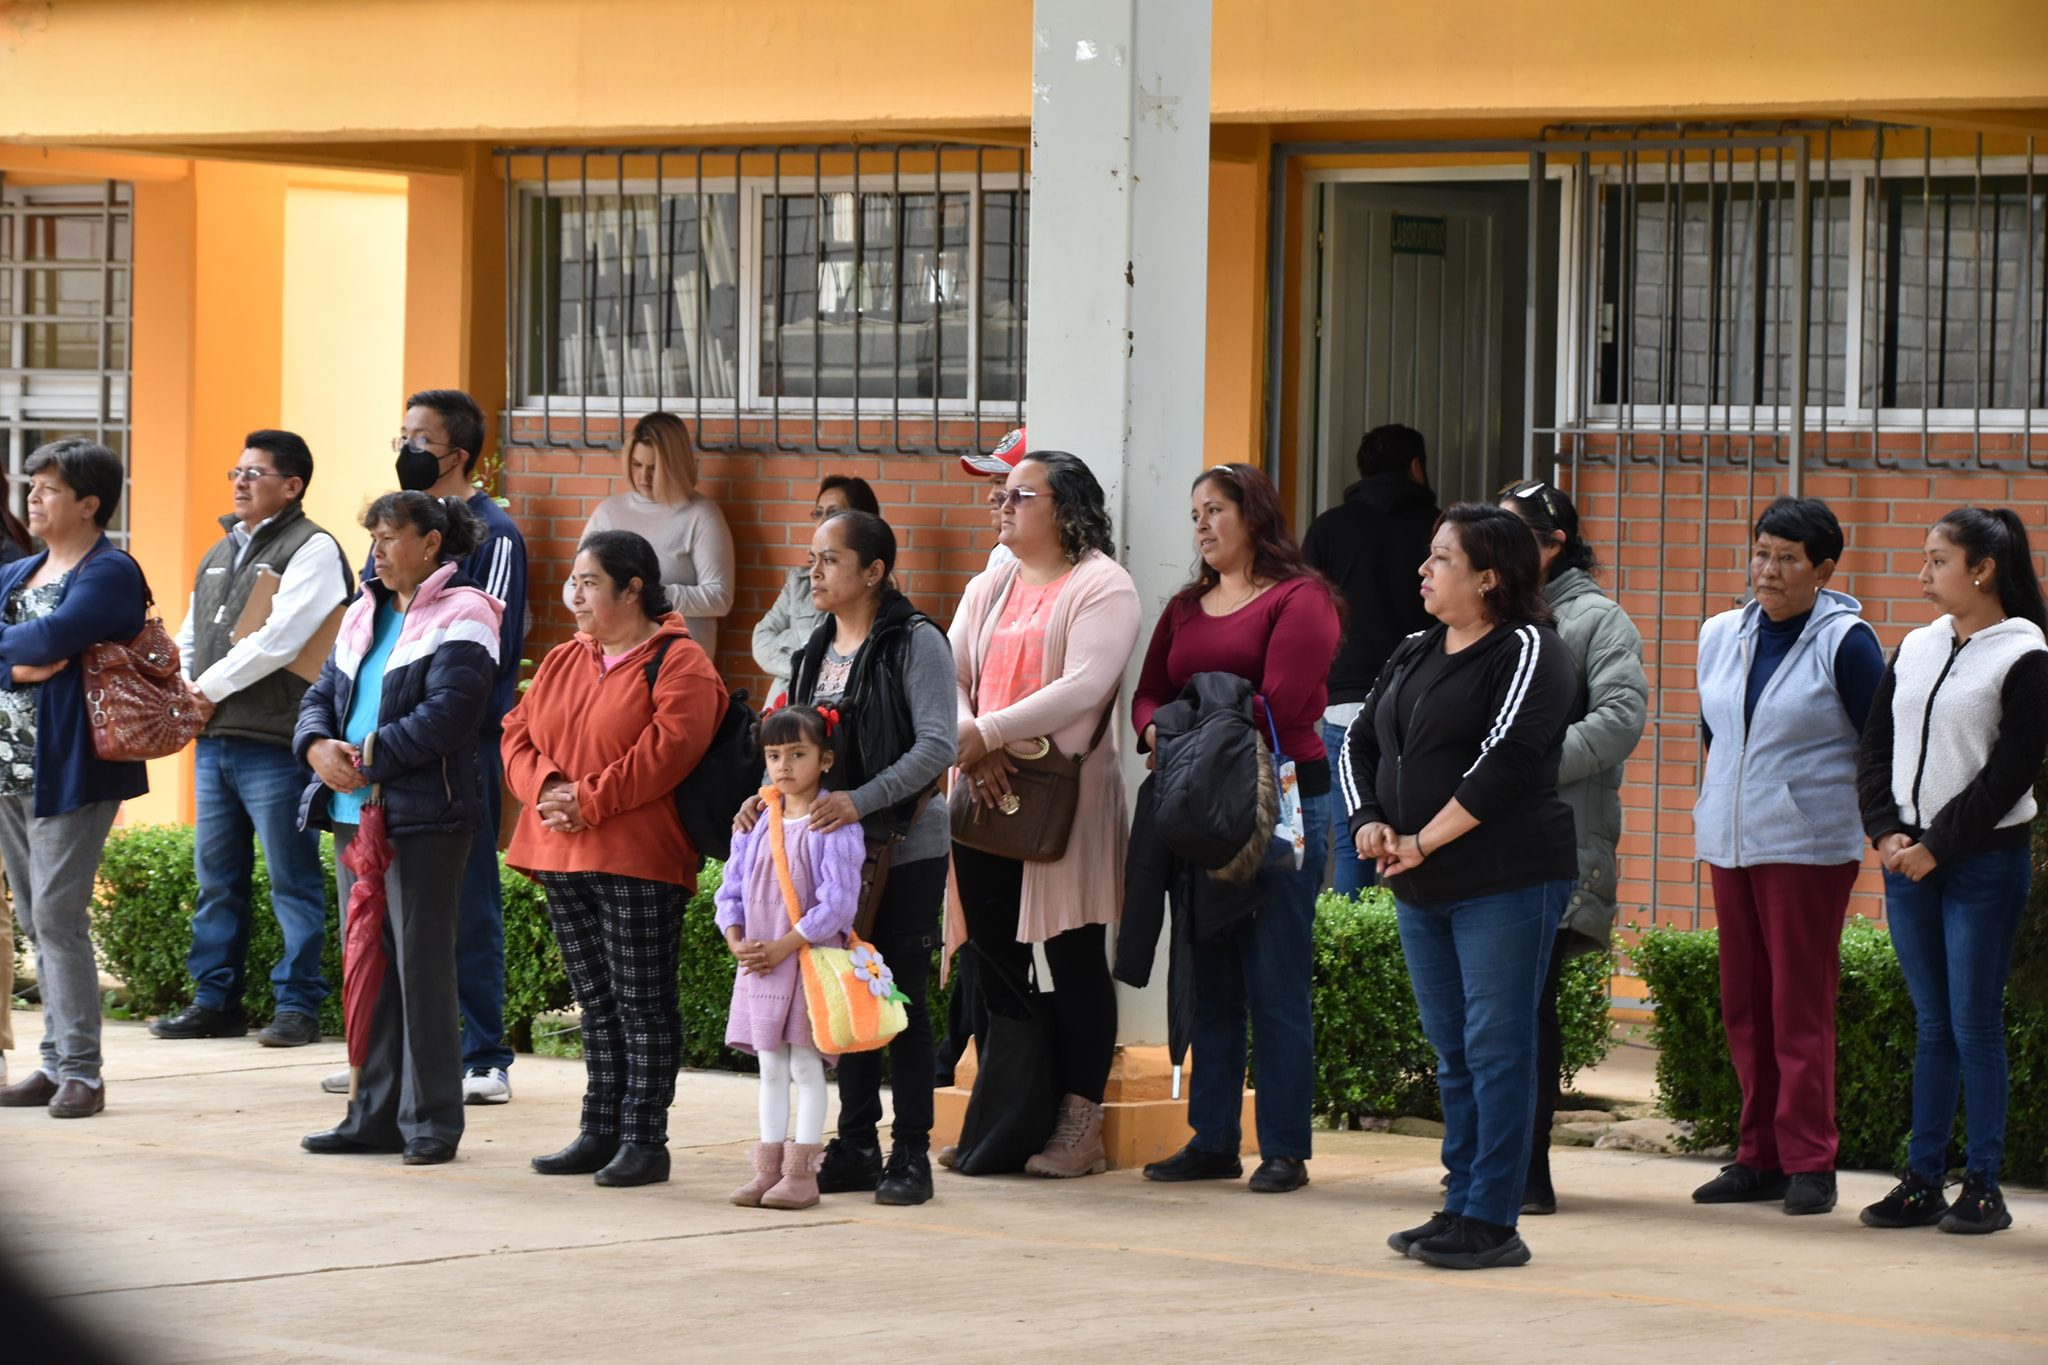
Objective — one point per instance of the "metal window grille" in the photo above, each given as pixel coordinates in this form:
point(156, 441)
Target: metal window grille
point(848, 298)
point(65, 261)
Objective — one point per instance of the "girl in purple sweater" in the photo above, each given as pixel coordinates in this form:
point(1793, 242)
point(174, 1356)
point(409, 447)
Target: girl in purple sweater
point(768, 1015)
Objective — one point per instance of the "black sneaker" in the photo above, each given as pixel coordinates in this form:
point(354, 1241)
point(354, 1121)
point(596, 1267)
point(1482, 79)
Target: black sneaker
point(1192, 1163)
point(1914, 1202)
point(849, 1169)
point(1810, 1192)
point(290, 1029)
point(906, 1179)
point(1979, 1209)
point(1740, 1184)
point(1439, 1223)
point(1472, 1245)
point(1539, 1199)
point(197, 1021)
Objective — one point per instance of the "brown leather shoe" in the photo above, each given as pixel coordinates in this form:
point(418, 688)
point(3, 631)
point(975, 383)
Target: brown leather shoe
point(77, 1100)
point(31, 1092)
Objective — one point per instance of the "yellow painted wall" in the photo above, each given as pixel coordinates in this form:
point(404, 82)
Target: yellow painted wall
point(618, 68)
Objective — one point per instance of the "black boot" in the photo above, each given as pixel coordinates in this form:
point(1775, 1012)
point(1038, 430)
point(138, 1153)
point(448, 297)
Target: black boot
point(637, 1163)
point(587, 1155)
point(849, 1169)
point(1914, 1202)
point(906, 1180)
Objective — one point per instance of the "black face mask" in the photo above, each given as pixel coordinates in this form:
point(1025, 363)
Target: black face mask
point(418, 469)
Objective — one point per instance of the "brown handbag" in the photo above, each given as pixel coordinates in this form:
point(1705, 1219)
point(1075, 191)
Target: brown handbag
point(1033, 822)
point(135, 695)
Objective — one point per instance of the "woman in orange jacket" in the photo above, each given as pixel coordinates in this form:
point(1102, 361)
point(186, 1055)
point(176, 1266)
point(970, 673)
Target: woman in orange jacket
point(613, 722)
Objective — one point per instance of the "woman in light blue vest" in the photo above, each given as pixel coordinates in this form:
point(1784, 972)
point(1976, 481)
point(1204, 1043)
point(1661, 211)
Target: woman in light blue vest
point(1785, 682)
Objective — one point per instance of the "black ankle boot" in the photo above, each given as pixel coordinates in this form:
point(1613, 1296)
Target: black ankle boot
point(849, 1169)
point(637, 1163)
point(587, 1155)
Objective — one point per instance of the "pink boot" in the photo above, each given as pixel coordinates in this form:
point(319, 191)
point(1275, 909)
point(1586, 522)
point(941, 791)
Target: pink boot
point(767, 1159)
point(798, 1188)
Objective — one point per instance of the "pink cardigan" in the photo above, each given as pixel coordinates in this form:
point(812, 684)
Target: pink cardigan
point(1088, 644)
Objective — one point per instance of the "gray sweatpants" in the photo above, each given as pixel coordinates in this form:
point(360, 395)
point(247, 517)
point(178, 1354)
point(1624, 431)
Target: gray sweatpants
point(51, 864)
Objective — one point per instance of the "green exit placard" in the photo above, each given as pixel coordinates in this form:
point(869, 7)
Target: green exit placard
point(1418, 236)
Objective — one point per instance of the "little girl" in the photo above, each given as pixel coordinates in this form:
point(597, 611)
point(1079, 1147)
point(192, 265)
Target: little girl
point(768, 1015)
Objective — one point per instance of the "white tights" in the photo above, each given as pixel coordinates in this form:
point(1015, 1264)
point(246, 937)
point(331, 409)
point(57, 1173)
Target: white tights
point(779, 1066)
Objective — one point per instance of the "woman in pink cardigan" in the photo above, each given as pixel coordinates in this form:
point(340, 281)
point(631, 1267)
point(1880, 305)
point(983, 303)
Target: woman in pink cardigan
point(1039, 649)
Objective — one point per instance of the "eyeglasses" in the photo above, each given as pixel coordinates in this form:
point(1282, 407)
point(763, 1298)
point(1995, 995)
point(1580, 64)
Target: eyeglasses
point(399, 443)
point(240, 474)
point(1011, 497)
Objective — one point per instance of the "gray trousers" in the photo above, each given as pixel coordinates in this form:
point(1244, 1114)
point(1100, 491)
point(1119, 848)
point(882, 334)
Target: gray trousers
point(411, 1086)
point(6, 973)
point(51, 864)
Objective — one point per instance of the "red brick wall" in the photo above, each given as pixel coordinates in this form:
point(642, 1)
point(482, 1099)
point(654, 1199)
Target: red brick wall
point(1683, 531)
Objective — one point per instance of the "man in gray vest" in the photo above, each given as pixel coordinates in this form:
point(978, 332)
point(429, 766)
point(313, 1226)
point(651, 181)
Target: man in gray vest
point(261, 620)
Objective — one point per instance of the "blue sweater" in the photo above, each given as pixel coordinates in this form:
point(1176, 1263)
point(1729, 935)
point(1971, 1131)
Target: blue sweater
point(104, 600)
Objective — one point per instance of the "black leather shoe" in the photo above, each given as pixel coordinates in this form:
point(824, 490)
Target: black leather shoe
point(428, 1152)
point(637, 1163)
point(849, 1169)
point(197, 1021)
point(290, 1029)
point(1810, 1192)
point(587, 1155)
point(1192, 1163)
point(1279, 1174)
point(334, 1141)
point(1740, 1184)
point(906, 1180)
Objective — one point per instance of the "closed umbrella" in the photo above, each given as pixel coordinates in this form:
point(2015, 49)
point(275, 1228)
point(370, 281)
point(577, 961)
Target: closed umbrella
point(363, 960)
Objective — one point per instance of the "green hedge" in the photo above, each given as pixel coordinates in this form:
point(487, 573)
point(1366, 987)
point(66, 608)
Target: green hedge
point(1873, 1051)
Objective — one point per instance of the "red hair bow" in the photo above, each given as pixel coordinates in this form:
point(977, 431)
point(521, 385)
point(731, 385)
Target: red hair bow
point(830, 715)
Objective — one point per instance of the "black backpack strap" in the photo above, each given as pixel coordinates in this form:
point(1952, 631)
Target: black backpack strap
point(653, 669)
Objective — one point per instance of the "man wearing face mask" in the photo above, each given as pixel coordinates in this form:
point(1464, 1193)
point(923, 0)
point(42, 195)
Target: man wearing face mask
point(438, 449)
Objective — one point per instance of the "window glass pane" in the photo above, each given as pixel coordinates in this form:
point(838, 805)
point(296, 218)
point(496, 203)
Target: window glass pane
point(1005, 251)
point(67, 236)
point(62, 293)
point(61, 346)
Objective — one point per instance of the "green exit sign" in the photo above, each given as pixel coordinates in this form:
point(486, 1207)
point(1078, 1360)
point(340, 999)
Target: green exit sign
point(1418, 236)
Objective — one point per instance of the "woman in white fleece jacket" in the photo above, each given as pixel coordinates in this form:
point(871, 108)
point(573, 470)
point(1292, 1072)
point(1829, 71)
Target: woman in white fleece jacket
point(1950, 754)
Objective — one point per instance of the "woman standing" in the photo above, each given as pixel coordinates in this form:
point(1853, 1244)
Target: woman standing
point(1255, 609)
point(614, 721)
point(57, 797)
point(1039, 650)
point(1607, 718)
point(1784, 684)
point(788, 626)
point(394, 718)
point(887, 670)
point(1451, 775)
point(1954, 746)
point(686, 529)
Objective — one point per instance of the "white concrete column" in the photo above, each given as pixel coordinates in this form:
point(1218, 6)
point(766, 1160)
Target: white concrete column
point(1119, 286)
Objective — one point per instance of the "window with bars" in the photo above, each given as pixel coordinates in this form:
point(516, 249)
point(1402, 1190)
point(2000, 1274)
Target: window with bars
point(65, 262)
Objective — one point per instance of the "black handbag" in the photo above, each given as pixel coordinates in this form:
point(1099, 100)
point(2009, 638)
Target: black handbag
point(1016, 1097)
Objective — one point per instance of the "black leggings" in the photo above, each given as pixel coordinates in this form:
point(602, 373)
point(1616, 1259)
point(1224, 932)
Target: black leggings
point(1083, 998)
point(906, 930)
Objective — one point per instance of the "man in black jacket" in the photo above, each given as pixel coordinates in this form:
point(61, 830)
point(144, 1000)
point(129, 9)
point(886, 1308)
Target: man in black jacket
point(1372, 546)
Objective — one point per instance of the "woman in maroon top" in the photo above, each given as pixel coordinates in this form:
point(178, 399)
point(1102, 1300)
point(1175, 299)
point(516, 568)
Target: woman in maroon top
point(1257, 610)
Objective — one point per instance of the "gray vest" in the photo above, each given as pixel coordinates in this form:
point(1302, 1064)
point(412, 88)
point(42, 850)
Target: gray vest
point(1783, 788)
point(268, 709)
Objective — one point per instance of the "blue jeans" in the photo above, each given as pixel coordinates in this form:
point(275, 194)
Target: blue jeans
point(1263, 969)
point(1954, 931)
point(247, 790)
point(480, 927)
point(1478, 967)
point(1353, 874)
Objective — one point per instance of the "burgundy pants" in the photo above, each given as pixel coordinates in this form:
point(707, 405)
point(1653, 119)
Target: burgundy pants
point(1781, 961)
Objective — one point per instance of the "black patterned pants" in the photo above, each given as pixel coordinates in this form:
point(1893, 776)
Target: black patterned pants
point(622, 941)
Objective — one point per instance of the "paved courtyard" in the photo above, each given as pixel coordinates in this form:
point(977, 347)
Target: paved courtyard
point(186, 1222)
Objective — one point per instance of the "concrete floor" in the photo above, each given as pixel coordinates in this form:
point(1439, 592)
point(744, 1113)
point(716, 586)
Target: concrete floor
point(186, 1222)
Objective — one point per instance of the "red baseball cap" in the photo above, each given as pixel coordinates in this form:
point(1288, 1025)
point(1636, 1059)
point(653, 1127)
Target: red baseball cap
point(1011, 449)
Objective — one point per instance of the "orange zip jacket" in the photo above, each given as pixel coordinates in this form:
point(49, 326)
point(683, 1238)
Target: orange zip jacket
point(625, 751)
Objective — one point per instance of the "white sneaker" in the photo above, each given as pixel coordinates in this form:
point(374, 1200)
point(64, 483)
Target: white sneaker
point(3, 1068)
point(486, 1085)
point(337, 1084)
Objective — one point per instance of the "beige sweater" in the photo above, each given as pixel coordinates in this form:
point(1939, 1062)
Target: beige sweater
point(695, 549)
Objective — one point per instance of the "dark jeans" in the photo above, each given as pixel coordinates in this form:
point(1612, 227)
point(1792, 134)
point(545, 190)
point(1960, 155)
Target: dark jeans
point(1083, 996)
point(1954, 932)
point(1352, 874)
point(1549, 1072)
point(480, 928)
point(1477, 967)
point(247, 790)
point(1262, 972)
point(906, 930)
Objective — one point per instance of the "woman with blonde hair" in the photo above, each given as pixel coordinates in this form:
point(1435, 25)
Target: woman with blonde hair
point(663, 504)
